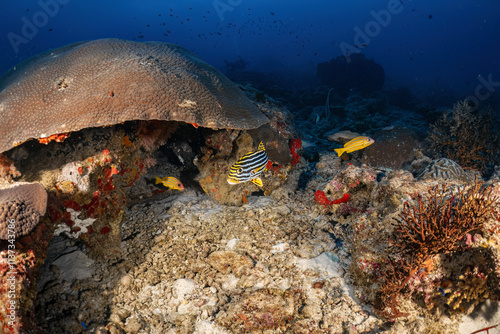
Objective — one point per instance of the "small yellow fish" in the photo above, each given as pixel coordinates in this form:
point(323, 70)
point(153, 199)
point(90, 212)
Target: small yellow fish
point(170, 182)
point(355, 144)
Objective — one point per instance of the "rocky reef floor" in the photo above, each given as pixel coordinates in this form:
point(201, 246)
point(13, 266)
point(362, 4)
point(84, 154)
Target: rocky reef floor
point(187, 264)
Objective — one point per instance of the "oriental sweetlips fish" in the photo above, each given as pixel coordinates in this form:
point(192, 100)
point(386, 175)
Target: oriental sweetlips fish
point(170, 182)
point(249, 167)
point(355, 144)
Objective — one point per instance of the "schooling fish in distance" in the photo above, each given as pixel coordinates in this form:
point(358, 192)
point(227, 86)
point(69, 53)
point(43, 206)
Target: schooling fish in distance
point(355, 144)
point(170, 182)
point(249, 167)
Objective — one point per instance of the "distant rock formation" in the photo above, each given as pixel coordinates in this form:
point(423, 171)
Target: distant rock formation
point(360, 74)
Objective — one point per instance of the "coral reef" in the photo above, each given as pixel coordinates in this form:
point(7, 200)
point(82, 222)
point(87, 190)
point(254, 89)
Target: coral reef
point(465, 136)
point(442, 224)
point(20, 262)
point(278, 263)
point(311, 251)
point(173, 83)
point(280, 117)
point(348, 192)
point(193, 265)
point(460, 285)
point(224, 147)
point(270, 309)
point(359, 74)
point(393, 149)
point(21, 206)
point(7, 169)
point(276, 146)
point(445, 169)
point(16, 272)
point(219, 154)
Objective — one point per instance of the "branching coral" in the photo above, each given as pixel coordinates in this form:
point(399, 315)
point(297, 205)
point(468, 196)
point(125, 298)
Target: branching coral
point(439, 225)
point(466, 137)
point(471, 288)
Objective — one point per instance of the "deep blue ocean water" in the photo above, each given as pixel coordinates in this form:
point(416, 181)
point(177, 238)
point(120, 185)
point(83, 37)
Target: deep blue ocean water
point(429, 46)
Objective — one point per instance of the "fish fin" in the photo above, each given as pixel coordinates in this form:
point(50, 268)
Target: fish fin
point(256, 170)
point(339, 151)
point(158, 180)
point(232, 180)
point(261, 147)
point(257, 181)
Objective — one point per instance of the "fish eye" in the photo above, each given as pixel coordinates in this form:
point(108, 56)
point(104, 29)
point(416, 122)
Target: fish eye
point(240, 170)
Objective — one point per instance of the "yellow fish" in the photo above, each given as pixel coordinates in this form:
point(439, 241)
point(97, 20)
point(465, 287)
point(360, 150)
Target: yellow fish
point(249, 167)
point(355, 144)
point(170, 182)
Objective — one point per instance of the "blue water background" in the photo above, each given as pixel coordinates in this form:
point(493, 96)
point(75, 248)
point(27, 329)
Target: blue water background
point(430, 46)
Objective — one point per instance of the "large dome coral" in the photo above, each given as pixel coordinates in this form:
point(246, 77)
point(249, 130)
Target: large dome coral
point(110, 81)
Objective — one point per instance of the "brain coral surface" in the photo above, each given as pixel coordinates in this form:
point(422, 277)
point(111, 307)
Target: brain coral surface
point(444, 168)
point(109, 81)
point(21, 205)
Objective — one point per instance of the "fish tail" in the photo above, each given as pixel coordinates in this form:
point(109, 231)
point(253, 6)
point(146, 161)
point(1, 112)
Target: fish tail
point(339, 151)
point(158, 180)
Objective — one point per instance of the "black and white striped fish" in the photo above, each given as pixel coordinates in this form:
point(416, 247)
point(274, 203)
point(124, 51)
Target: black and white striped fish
point(249, 167)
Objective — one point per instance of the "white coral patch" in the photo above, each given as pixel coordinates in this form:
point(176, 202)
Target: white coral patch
point(70, 173)
point(187, 104)
point(81, 223)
